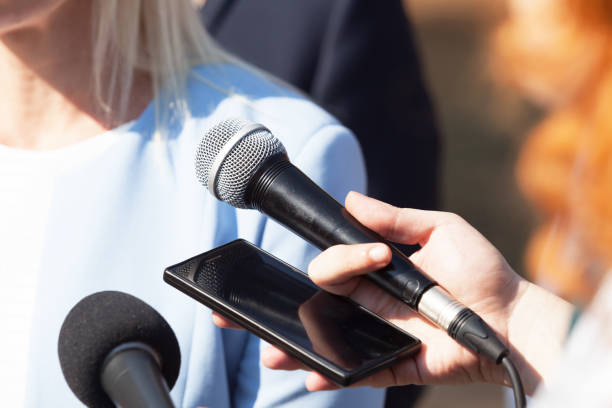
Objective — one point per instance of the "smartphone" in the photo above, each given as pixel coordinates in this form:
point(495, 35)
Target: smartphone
point(328, 333)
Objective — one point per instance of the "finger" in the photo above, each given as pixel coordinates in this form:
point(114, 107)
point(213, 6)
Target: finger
point(336, 267)
point(276, 359)
point(404, 225)
point(316, 382)
point(379, 379)
point(224, 323)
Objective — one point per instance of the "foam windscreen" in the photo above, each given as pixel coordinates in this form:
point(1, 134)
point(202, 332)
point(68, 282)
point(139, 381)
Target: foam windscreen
point(99, 323)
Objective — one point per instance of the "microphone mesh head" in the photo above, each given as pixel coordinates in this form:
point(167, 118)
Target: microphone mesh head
point(238, 164)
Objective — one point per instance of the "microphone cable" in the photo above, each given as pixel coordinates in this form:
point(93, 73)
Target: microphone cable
point(515, 381)
point(471, 331)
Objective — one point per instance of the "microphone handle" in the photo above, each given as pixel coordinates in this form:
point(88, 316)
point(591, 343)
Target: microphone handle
point(131, 377)
point(283, 192)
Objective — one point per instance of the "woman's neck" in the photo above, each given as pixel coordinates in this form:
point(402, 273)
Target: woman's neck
point(47, 98)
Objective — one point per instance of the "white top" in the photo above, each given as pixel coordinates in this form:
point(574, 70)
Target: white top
point(27, 181)
point(24, 203)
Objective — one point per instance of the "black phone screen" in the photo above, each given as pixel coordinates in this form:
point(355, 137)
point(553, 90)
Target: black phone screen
point(285, 302)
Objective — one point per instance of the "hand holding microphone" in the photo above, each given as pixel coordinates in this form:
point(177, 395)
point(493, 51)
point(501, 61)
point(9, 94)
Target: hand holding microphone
point(454, 254)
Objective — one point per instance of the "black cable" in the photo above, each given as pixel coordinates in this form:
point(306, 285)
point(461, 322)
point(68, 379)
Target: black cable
point(471, 331)
point(515, 380)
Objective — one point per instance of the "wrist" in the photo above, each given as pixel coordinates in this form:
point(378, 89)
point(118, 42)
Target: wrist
point(537, 329)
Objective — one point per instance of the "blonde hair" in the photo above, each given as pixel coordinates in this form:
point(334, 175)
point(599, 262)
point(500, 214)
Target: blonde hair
point(163, 38)
point(559, 52)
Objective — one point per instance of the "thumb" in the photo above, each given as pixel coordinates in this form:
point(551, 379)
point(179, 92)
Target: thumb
point(403, 225)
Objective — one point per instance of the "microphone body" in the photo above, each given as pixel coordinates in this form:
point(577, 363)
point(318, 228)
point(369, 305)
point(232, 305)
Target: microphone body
point(283, 192)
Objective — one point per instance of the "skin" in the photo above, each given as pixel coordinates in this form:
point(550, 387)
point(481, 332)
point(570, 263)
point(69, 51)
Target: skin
point(46, 76)
point(532, 321)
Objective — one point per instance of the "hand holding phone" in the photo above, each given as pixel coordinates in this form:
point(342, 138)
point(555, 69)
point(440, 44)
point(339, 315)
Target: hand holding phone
point(328, 333)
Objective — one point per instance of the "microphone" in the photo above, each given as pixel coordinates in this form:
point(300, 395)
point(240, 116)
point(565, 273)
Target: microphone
point(244, 165)
point(115, 350)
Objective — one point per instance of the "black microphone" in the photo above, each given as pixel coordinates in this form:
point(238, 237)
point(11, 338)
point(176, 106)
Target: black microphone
point(115, 350)
point(243, 164)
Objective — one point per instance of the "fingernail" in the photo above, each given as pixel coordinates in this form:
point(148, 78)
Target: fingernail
point(378, 253)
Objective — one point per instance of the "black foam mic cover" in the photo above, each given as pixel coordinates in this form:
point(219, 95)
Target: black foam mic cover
point(99, 323)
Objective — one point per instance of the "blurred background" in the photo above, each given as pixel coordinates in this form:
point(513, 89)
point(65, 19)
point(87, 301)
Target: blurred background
point(482, 125)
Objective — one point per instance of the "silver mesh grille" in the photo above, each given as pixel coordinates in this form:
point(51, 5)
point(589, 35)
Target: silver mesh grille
point(239, 164)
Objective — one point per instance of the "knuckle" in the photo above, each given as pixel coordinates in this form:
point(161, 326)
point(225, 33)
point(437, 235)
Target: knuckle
point(450, 217)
